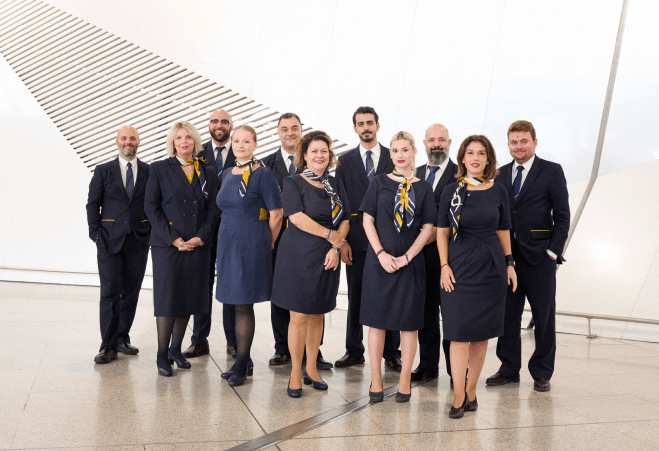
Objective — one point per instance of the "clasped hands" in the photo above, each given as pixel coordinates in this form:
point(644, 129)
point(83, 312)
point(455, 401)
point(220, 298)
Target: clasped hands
point(391, 264)
point(187, 245)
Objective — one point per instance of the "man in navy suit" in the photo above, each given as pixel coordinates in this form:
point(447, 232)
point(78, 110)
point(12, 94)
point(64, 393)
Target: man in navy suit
point(217, 153)
point(356, 169)
point(439, 172)
point(540, 215)
point(281, 164)
point(120, 229)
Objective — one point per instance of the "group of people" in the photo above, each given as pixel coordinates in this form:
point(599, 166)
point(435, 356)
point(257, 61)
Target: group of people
point(466, 236)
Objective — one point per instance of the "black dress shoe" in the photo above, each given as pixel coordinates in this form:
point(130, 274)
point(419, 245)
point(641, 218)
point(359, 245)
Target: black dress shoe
point(128, 349)
point(471, 406)
point(419, 374)
point(279, 359)
point(196, 351)
point(181, 363)
point(348, 360)
point(322, 364)
point(375, 396)
point(106, 355)
point(499, 379)
point(232, 351)
point(394, 364)
point(458, 412)
point(541, 385)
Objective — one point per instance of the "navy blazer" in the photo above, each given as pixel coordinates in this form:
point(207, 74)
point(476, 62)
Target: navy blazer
point(110, 215)
point(447, 177)
point(208, 154)
point(178, 208)
point(541, 214)
point(352, 172)
point(277, 165)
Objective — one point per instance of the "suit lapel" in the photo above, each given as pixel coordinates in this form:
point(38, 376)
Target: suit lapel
point(141, 177)
point(358, 164)
point(445, 178)
point(505, 176)
point(280, 165)
point(179, 175)
point(116, 176)
point(536, 167)
point(230, 161)
point(382, 161)
point(421, 172)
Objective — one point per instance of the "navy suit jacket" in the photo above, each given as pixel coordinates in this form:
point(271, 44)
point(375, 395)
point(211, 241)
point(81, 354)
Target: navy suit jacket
point(208, 154)
point(178, 208)
point(447, 177)
point(352, 172)
point(277, 165)
point(110, 215)
point(541, 213)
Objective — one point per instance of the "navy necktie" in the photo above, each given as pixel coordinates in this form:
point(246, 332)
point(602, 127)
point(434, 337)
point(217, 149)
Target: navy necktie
point(370, 167)
point(431, 176)
point(517, 183)
point(218, 159)
point(130, 185)
point(291, 166)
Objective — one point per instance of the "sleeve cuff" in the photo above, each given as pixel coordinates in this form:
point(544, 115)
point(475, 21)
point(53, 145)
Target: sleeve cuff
point(551, 254)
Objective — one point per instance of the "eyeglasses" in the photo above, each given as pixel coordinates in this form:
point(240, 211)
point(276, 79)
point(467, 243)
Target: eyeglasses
point(223, 121)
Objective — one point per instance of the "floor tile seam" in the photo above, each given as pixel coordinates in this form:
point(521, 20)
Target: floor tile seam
point(492, 427)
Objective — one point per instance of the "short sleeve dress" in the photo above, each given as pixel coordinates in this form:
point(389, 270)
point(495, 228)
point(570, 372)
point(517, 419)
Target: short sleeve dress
point(474, 310)
point(395, 301)
point(301, 283)
point(244, 241)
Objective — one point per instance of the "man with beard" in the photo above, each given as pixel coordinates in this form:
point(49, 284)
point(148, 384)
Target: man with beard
point(281, 164)
point(217, 153)
point(121, 230)
point(439, 172)
point(356, 169)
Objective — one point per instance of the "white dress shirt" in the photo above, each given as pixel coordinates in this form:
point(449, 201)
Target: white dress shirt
point(123, 166)
point(287, 160)
point(438, 174)
point(225, 153)
point(375, 156)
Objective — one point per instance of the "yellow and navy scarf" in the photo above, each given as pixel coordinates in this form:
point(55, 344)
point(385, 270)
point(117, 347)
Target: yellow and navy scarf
point(337, 205)
point(458, 199)
point(242, 189)
point(405, 201)
point(200, 174)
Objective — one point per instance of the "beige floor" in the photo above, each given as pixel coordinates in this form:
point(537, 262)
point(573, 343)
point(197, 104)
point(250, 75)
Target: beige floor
point(605, 393)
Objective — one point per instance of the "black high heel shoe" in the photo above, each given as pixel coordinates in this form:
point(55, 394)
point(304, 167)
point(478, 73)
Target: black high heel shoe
point(181, 363)
point(375, 396)
point(401, 397)
point(229, 373)
point(293, 392)
point(316, 385)
point(458, 412)
point(471, 406)
point(166, 369)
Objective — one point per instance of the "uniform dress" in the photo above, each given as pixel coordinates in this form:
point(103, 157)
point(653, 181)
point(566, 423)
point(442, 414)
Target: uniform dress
point(244, 241)
point(474, 310)
point(301, 283)
point(395, 301)
point(177, 207)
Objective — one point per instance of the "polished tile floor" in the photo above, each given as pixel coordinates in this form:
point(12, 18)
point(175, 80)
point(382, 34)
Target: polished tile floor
point(605, 393)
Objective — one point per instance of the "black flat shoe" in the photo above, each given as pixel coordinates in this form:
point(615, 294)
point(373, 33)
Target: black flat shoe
point(128, 349)
point(293, 392)
point(181, 363)
point(316, 385)
point(419, 374)
point(499, 379)
point(196, 351)
point(395, 364)
point(348, 360)
point(458, 412)
point(323, 364)
point(106, 355)
point(229, 373)
point(279, 359)
point(376, 396)
point(541, 385)
point(471, 406)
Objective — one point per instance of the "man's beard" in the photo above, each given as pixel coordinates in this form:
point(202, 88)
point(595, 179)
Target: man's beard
point(219, 136)
point(367, 139)
point(125, 154)
point(437, 158)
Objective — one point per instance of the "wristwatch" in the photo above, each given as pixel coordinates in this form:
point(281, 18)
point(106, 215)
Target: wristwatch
point(338, 250)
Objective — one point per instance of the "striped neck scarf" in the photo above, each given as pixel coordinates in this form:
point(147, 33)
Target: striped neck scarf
point(337, 205)
point(405, 201)
point(245, 176)
point(458, 199)
point(200, 174)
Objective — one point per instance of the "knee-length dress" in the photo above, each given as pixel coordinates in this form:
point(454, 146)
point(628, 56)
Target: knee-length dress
point(301, 282)
point(474, 310)
point(244, 241)
point(395, 301)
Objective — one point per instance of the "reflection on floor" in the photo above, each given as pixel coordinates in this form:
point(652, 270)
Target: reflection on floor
point(605, 393)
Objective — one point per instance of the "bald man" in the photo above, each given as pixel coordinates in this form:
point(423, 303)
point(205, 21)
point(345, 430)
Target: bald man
point(120, 229)
point(439, 172)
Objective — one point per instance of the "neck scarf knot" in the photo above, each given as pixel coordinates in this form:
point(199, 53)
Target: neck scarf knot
point(200, 174)
point(242, 189)
point(337, 205)
point(458, 200)
point(405, 201)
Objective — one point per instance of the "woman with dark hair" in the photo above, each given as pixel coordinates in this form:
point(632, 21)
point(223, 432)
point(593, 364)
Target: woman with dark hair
point(306, 278)
point(180, 204)
point(251, 217)
point(473, 239)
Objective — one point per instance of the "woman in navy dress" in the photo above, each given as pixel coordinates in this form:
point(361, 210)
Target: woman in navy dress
point(473, 237)
point(251, 218)
point(399, 216)
point(306, 278)
point(180, 204)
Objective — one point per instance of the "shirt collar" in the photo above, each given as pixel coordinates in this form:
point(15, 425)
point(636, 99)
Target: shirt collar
point(442, 166)
point(285, 155)
point(215, 146)
point(527, 165)
point(375, 150)
point(124, 163)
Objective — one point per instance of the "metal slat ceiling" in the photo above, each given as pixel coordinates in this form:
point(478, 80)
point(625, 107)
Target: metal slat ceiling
point(91, 82)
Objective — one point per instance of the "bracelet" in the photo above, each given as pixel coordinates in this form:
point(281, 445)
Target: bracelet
point(510, 261)
point(329, 235)
point(379, 252)
point(445, 264)
point(408, 260)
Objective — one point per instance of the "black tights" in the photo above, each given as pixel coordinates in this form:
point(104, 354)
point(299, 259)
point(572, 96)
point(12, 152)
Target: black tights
point(245, 325)
point(170, 327)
